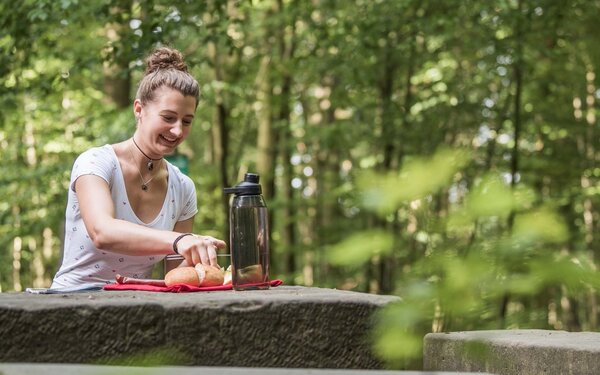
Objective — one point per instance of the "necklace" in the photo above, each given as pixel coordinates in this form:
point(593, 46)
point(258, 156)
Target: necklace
point(150, 164)
point(144, 183)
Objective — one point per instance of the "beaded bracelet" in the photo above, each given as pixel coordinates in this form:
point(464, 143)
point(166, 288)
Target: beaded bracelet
point(177, 240)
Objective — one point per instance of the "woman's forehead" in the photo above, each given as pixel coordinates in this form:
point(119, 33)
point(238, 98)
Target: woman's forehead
point(168, 99)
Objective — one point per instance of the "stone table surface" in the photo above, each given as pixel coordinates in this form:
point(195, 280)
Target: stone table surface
point(285, 326)
point(280, 294)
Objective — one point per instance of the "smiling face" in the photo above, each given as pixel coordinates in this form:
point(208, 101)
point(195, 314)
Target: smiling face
point(164, 122)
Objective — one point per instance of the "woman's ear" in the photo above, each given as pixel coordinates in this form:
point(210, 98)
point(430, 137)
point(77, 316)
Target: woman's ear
point(137, 109)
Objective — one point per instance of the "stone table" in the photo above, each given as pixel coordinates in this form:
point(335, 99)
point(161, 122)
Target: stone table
point(286, 326)
point(514, 352)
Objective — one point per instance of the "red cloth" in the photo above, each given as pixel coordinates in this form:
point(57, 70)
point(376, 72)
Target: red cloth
point(179, 288)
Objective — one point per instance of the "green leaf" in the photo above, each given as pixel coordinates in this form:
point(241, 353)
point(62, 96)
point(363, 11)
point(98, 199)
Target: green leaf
point(542, 225)
point(384, 193)
point(360, 247)
point(491, 197)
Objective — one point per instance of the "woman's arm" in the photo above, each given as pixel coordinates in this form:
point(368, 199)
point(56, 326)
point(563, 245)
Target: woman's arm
point(184, 226)
point(121, 236)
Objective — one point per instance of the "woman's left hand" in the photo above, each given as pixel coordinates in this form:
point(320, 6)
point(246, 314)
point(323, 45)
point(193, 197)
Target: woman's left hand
point(200, 249)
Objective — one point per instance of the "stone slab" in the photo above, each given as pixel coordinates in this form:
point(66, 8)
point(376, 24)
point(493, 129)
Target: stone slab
point(69, 369)
point(508, 352)
point(286, 327)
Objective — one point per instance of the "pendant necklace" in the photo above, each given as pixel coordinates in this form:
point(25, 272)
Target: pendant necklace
point(144, 183)
point(150, 164)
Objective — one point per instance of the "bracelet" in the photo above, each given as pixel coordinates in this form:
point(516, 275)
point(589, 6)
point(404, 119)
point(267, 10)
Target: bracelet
point(177, 240)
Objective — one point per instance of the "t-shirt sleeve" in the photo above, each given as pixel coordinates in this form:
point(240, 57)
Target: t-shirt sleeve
point(95, 161)
point(189, 201)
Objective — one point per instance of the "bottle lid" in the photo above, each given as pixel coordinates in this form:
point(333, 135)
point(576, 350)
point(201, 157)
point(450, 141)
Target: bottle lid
point(249, 186)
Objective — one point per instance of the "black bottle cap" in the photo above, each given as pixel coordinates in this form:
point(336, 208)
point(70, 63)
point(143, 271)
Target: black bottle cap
point(249, 186)
point(251, 177)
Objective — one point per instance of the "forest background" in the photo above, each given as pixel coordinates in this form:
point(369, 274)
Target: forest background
point(443, 151)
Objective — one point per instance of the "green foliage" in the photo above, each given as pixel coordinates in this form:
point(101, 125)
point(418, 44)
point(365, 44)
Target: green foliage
point(418, 178)
point(152, 358)
point(360, 247)
point(453, 287)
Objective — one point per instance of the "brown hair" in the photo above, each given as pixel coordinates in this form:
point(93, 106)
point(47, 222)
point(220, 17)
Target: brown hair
point(165, 67)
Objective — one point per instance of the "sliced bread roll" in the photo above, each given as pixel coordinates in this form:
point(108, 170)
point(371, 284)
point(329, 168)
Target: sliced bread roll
point(182, 275)
point(200, 275)
point(209, 276)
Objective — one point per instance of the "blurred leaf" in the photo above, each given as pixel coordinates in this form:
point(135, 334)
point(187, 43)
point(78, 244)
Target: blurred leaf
point(491, 197)
point(384, 193)
point(397, 345)
point(541, 225)
point(395, 334)
point(360, 247)
point(163, 356)
point(567, 271)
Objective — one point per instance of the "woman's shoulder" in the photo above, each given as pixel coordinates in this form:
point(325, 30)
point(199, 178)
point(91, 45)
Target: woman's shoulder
point(98, 152)
point(104, 150)
point(96, 157)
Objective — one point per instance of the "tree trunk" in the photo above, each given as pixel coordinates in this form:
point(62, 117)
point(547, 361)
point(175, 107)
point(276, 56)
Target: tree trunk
point(220, 128)
point(265, 159)
point(514, 161)
point(117, 78)
point(288, 238)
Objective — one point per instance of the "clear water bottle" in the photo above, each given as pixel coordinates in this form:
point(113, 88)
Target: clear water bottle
point(248, 235)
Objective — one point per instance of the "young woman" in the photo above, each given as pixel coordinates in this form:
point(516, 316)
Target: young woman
point(127, 206)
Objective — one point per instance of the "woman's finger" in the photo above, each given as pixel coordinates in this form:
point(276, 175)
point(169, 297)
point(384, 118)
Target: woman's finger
point(212, 255)
point(196, 258)
point(203, 251)
point(219, 244)
point(215, 242)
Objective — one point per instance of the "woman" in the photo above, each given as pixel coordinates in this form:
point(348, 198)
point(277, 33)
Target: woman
point(127, 206)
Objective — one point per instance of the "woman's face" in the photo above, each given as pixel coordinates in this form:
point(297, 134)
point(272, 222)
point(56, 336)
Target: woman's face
point(165, 122)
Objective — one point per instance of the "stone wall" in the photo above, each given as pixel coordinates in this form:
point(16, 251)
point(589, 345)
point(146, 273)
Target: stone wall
point(281, 327)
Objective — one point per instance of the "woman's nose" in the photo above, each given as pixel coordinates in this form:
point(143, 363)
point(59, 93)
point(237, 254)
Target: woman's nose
point(177, 129)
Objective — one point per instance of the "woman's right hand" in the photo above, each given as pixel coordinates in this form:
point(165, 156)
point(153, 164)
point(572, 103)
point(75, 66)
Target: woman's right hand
point(200, 249)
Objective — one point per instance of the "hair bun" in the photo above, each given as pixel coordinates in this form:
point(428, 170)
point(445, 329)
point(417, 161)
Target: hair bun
point(165, 58)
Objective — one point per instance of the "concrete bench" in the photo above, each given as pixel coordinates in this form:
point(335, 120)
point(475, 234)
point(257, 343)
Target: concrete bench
point(286, 326)
point(509, 352)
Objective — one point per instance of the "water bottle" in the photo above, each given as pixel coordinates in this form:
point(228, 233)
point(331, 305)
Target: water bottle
point(248, 235)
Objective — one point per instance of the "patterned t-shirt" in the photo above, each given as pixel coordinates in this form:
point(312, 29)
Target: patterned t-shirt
point(83, 263)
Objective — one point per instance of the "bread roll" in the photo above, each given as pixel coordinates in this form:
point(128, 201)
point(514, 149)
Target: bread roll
point(251, 275)
point(200, 275)
point(182, 275)
point(209, 276)
point(227, 276)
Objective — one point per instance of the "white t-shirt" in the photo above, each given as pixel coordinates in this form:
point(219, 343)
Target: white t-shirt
point(83, 263)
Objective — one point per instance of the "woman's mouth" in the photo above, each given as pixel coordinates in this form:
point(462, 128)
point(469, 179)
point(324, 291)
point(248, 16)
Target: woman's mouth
point(167, 141)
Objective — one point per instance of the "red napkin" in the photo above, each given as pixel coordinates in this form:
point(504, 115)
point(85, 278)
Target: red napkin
point(179, 288)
